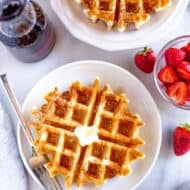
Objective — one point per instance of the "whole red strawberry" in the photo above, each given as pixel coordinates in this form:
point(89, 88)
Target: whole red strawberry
point(181, 139)
point(183, 69)
point(173, 56)
point(145, 60)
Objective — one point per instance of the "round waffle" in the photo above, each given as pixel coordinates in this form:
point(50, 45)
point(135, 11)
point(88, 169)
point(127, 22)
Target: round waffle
point(122, 12)
point(118, 132)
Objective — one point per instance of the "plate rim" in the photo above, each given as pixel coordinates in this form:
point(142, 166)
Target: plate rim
point(73, 64)
point(86, 38)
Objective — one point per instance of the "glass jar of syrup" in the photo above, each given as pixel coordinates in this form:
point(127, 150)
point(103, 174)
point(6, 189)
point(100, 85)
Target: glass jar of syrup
point(25, 30)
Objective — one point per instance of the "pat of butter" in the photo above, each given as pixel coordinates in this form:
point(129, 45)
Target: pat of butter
point(86, 135)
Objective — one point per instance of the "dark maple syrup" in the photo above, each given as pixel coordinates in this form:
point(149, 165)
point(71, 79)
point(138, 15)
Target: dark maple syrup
point(26, 30)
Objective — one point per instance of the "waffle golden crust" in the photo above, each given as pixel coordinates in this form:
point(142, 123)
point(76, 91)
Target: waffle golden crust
point(117, 128)
point(122, 12)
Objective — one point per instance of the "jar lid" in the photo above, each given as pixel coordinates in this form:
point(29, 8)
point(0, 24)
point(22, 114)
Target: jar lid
point(11, 8)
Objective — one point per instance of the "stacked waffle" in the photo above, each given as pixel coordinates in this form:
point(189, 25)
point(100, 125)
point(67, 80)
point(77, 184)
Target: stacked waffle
point(117, 129)
point(122, 12)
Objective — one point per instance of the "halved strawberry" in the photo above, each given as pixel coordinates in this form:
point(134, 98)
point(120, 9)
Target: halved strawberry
point(188, 87)
point(178, 92)
point(183, 70)
point(167, 75)
point(173, 56)
point(186, 49)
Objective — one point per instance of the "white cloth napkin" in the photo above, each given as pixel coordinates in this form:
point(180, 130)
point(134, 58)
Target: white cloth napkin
point(12, 173)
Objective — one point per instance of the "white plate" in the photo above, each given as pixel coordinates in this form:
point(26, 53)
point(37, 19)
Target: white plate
point(140, 102)
point(97, 35)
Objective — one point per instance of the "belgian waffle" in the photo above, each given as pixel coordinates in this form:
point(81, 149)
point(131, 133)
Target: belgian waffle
point(122, 12)
point(118, 132)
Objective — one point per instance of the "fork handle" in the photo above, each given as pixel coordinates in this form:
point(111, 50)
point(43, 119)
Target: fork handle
point(16, 107)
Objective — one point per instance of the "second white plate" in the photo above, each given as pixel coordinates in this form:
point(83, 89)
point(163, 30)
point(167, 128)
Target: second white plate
point(72, 16)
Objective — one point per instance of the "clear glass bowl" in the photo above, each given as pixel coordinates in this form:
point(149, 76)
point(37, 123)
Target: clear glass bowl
point(160, 63)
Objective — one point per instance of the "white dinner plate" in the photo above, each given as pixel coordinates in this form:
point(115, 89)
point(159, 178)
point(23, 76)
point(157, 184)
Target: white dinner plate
point(76, 22)
point(140, 102)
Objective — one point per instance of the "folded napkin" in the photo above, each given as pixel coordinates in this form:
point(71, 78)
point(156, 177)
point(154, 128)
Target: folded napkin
point(12, 172)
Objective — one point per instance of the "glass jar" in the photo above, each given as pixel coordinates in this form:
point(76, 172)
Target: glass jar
point(25, 30)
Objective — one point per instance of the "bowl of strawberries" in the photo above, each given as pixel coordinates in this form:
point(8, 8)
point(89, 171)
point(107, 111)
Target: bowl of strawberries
point(172, 72)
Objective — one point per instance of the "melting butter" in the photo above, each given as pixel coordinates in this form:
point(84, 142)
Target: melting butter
point(86, 135)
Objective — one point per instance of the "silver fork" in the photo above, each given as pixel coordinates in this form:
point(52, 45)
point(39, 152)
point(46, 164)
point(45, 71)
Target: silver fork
point(41, 172)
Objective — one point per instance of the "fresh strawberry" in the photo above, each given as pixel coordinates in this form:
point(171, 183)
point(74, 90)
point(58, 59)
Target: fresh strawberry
point(167, 75)
point(145, 60)
point(186, 49)
point(183, 70)
point(181, 139)
point(178, 92)
point(188, 87)
point(173, 56)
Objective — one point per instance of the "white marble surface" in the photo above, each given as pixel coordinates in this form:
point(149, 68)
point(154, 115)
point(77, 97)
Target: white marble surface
point(169, 171)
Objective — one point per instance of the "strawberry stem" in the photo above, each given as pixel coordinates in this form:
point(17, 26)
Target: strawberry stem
point(185, 125)
point(144, 51)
